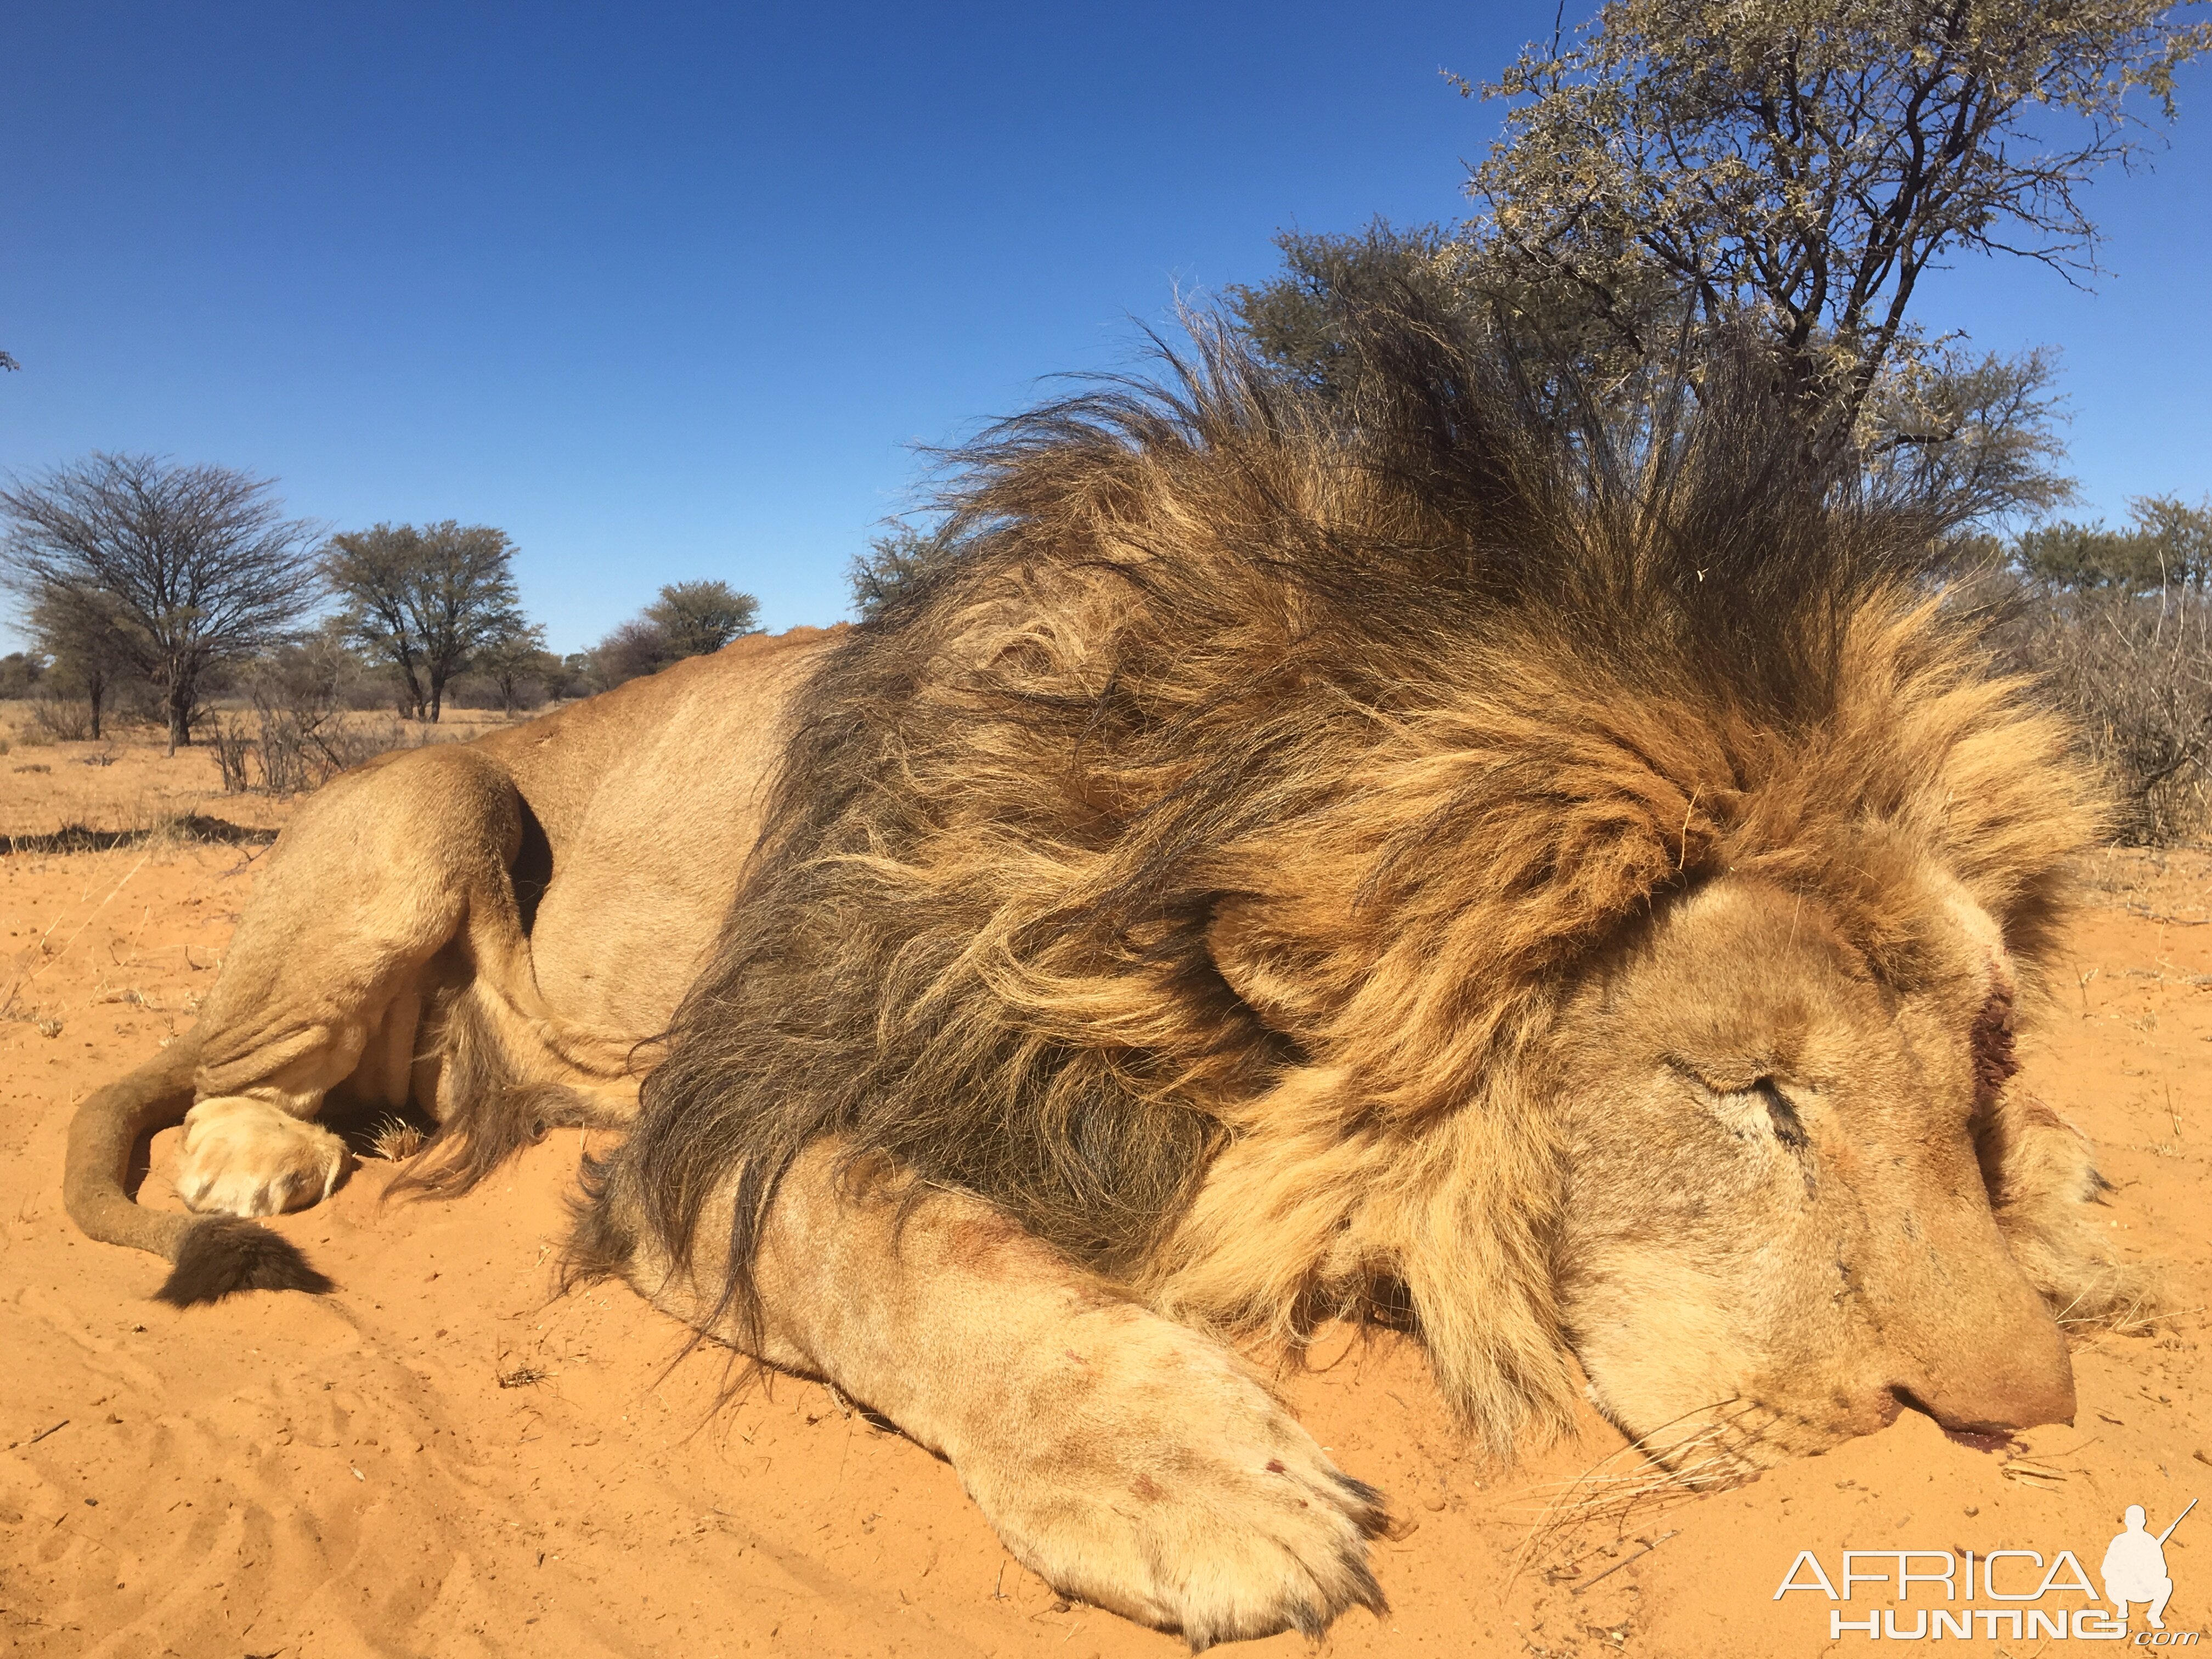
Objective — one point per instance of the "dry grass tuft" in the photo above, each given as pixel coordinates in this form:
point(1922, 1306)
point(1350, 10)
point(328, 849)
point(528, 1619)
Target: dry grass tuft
point(1665, 1468)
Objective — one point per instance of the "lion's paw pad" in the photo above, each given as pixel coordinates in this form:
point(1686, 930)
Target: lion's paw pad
point(245, 1157)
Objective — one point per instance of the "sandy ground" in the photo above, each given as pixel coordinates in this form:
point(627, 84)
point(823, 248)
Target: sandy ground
point(125, 781)
point(442, 1459)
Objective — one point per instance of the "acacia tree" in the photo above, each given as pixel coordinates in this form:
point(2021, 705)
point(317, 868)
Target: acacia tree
point(703, 617)
point(1971, 437)
point(185, 567)
point(1804, 162)
point(2167, 549)
point(689, 619)
point(513, 657)
point(89, 642)
point(424, 600)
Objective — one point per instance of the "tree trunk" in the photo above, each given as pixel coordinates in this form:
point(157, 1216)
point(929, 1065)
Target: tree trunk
point(411, 686)
point(182, 685)
point(96, 692)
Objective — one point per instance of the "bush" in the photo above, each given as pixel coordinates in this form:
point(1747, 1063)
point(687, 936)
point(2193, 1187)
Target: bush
point(299, 738)
point(474, 691)
point(2118, 624)
point(61, 719)
point(19, 674)
point(689, 619)
point(2134, 671)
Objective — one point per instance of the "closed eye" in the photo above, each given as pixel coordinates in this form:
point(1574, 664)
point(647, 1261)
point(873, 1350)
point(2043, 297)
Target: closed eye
point(1788, 1127)
point(1781, 1113)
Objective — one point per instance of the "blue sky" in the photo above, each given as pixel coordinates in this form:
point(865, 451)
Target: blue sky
point(670, 291)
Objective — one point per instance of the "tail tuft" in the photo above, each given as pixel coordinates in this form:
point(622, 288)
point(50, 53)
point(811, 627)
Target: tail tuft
point(219, 1255)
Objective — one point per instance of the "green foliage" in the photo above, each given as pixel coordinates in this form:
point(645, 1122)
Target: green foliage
point(424, 601)
point(894, 563)
point(2168, 546)
point(700, 616)
point(689, 619)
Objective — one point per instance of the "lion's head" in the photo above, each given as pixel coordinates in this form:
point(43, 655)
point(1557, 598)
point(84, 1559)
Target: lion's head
point(1775, 1230)
point(1300, 859)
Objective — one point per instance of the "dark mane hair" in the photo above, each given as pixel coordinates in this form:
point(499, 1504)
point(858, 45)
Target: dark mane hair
point(1142, 718)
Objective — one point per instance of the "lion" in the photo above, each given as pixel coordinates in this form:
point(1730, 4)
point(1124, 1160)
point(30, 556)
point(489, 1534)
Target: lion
point(1279, 862)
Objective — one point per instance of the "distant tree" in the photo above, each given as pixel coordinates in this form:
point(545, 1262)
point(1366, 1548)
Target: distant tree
point(21, 673)
point(194, 567)
point(630, 651)
point(1804, 162)
point(893, 564)
point(86, 640)
point(517, 656)
point(689, 619)
point(2169, 547)
point(424, 600)
point(697, 618)
point(2181, 535)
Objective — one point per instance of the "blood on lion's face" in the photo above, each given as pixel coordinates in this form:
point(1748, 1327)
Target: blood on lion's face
point(1777, 1231)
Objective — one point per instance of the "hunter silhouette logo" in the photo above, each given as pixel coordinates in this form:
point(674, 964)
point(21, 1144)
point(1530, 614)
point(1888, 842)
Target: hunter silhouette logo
point(2135, 1566)
point(2024, 1592)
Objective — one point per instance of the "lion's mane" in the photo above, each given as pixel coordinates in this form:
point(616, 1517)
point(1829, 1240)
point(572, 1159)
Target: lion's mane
point(1263, 770)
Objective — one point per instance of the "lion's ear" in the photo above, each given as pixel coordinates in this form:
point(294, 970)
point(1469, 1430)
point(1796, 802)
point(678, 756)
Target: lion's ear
point(1268, 973)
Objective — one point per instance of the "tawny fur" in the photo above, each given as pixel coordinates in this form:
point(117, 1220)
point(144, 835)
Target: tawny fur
point(1569, 893)
point(1193, 866)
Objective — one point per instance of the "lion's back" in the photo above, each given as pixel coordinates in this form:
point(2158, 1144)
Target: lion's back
point(650, 799)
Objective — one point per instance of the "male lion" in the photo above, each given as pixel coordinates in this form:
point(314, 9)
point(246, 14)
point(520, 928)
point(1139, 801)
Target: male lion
point(1294, 859)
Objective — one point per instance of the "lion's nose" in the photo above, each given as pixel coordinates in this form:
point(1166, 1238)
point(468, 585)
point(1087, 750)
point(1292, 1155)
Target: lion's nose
point(1995, 1381)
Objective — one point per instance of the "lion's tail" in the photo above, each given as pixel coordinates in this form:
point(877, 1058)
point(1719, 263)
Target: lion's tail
point(211, 1255)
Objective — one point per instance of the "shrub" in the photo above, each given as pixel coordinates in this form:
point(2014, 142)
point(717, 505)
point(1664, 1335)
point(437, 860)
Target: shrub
point(300, 737)
point(2119, 626)
point(64, 720)
point(2135, 670)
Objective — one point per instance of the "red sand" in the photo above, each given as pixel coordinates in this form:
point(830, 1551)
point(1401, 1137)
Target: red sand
point(442, 1459)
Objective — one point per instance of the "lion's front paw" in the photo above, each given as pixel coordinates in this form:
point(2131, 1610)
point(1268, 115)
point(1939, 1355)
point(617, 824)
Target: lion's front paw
point(243, 1156)
point(1157, 1479)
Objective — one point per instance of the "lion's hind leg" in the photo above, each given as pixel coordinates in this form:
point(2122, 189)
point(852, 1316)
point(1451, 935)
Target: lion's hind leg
point(1133, 1463)
point(386, 876)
